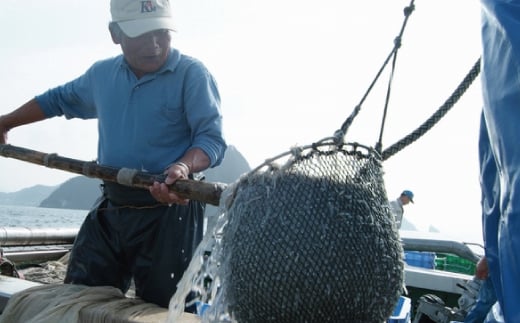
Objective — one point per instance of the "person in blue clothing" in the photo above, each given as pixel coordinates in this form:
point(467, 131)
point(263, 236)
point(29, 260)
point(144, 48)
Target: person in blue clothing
point(486, 296)
point(499, 150)
point(158, 111)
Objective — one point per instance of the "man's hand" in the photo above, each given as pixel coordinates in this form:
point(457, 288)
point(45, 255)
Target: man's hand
point(482, 270)
point(162, 193)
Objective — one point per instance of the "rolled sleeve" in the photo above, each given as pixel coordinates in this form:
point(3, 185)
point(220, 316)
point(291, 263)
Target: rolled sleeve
point(203, 111)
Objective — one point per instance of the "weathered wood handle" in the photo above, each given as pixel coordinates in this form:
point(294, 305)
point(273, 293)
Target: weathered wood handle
point(195, 190)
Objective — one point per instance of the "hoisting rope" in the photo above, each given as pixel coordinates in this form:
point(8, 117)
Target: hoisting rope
point(428, 124)
point(340, 134)
point(397, 44)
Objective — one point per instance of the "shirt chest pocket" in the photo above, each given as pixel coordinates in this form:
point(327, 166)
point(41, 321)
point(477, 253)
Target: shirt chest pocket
point(168, 125)
point(174, 115)
point(168, 128)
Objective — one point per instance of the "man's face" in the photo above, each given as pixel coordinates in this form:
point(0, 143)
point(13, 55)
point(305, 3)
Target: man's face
point(148, 52)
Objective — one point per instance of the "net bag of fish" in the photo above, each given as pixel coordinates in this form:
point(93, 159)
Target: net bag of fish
point(312, 240)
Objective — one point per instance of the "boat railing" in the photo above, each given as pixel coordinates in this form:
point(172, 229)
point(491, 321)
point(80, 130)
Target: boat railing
point(422, 242)
point(23, 236)
point(26, 245)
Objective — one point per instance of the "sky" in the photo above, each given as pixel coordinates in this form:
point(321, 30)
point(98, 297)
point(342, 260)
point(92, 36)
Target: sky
point(289, 73)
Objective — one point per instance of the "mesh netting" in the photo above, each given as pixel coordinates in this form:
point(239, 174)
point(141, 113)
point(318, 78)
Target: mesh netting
point(309, 241)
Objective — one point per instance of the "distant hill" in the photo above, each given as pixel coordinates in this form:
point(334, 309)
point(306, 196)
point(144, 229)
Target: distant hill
point(80, 192)
point(31, 196)
point(76, 193)
point(233, 165)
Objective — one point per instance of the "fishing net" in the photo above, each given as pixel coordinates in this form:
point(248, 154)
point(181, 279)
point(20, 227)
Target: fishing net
point(307, 238)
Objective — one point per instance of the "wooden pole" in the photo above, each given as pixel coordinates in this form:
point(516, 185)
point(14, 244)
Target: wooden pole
point(195, 190)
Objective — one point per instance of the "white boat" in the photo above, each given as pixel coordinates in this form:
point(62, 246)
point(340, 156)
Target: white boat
point(439, 293)
point(435, 295)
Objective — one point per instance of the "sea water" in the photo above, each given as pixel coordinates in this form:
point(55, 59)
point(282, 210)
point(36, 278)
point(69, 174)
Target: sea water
point(39, 217)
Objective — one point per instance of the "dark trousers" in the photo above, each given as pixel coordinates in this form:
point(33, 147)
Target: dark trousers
point(141, 239)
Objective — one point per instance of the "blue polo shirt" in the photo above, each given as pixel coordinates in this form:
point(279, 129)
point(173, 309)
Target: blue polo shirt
point(146, 123)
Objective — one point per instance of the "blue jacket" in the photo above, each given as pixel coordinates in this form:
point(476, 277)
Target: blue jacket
point(500, 149)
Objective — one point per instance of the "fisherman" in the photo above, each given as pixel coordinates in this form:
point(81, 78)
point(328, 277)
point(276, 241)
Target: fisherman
point(486, 296)
point(158, 111)
point(396, 206)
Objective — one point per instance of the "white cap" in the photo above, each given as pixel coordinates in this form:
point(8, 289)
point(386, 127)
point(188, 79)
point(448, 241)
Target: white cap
point(136, 17)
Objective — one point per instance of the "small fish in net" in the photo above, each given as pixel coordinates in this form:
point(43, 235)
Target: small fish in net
point(310, 241)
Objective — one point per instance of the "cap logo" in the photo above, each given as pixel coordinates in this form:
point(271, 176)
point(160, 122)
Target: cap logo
point(147, 6)
point(136, 17)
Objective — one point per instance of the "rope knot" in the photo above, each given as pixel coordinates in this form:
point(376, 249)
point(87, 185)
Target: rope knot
point(397, 42)
point(408, 10)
